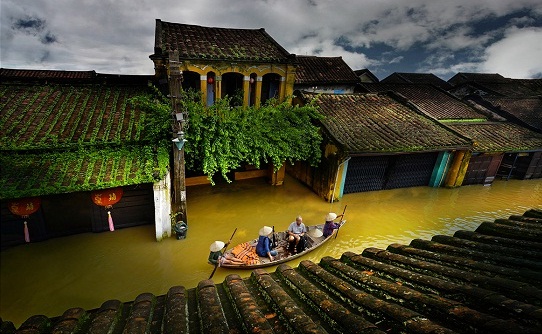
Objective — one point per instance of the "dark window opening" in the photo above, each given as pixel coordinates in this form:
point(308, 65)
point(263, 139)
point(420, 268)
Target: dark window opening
point(232, 87)
point(270, 86)
point(191, 80)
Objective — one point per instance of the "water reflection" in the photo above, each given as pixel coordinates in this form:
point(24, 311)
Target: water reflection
point(87, 269)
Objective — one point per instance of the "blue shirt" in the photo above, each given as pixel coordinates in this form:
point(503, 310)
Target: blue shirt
point(264, 245)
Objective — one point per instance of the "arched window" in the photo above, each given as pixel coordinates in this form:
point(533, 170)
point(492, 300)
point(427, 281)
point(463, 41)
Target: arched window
point(270, 86)
point(232, 86)
point(211, 88)
point(191, 80)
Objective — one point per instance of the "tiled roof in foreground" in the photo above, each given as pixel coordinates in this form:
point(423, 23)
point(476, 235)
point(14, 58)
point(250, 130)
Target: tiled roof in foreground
point(486, 281)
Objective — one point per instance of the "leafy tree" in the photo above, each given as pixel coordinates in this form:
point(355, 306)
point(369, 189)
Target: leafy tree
point(222, 138)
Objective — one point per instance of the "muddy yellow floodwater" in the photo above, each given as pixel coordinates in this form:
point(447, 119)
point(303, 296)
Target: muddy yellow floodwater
point(87, 269)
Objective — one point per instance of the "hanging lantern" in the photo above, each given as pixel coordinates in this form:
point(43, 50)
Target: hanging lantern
point(24, 207)
point(210, 80)
point(251, 80)
point(107, 198)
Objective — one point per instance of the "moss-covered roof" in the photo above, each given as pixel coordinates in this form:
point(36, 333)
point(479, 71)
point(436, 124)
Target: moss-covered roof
point(380, 123)
point(323, 70)
point(435, 102)
point(212, 43)
point(499, 136)
point(76, 133)
point(36, 174)
point(525, 109)
point(36, 116)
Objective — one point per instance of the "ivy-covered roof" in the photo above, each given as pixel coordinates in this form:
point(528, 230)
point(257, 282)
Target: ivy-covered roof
point(381, 123)
point(26, 174)
point(212, 43)
point(62, 136)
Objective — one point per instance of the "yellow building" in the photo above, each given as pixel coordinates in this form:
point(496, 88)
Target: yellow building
point(246, 65)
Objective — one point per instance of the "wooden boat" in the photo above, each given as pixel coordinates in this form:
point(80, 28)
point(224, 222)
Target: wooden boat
point(314, 236)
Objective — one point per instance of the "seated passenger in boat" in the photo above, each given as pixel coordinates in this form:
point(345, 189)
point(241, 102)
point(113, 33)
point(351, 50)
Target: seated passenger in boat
point(217, 258)
point(330, 225)
point(296, 236)
point(264, 245)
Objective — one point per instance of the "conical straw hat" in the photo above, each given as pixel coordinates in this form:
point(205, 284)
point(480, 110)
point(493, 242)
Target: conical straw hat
point(316, 233)
point(216, 246)
point(331, 216)
point(266, 230)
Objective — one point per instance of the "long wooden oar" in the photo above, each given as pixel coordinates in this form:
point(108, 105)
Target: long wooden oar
point(274, 244)
point(225, 246)
point(342, 218)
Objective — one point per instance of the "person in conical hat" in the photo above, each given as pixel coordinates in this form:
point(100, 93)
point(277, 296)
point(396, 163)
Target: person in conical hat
point(217, 246)
point(264, 245)
point(216, 257)
point(330, 225)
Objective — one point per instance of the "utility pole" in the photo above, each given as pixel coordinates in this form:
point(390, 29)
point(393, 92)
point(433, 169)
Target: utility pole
point(180, 117)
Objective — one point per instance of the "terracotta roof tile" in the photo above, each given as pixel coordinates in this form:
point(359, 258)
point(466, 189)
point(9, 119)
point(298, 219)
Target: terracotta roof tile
point(429, 99)
point(494, 85)
point(485, 281)
point(511, 88)
point(527, 110)
point(499, 136)
point(324, 70)
point(379, 123)
point(420, 78)
point(82, 125)
point(45, 74)
point(34, 116)
point(211, 43)
point(463, 77)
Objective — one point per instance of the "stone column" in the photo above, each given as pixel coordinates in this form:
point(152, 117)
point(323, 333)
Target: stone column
point(162, 208)
point(258, 95)
point(246, 90)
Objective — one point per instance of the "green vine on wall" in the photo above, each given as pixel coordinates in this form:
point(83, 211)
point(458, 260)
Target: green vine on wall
point(222, 138)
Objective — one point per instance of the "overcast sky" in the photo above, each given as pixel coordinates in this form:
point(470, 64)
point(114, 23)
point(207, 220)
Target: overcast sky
point(442, 37)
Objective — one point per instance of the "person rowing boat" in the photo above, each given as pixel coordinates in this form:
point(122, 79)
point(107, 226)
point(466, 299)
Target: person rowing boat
point(330, 225)
point(218, 258)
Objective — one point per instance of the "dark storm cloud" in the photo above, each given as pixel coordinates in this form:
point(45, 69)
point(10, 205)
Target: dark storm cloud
point(437, 36)
point(29, 25)
point(48, 38)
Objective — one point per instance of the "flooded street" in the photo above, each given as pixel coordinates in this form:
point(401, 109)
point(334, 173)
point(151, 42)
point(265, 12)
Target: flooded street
point(87, 269)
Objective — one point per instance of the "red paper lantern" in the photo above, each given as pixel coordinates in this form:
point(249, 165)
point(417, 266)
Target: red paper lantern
point(210, 80)
point(25, 206)
point(107, 197)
